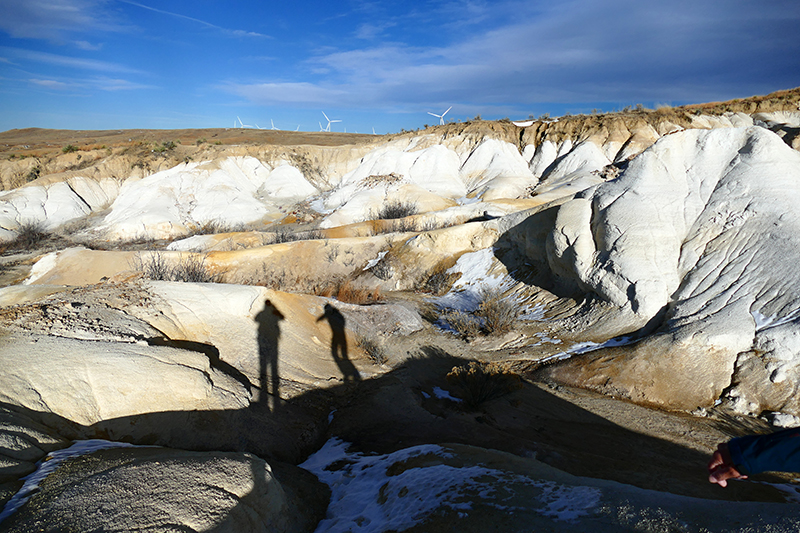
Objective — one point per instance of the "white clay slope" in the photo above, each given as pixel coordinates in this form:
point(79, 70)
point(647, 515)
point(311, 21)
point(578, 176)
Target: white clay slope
point(702, 225)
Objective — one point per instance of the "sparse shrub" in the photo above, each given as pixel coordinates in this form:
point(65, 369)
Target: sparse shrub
point(331, 254)
point(429, 311)
point(465, 324)
point(372, 347)
point(345, 291)
point(29, 235)
point(398, 209)
point(33, 173)
point(287, 235)
point(213, 227)
point(404, 225)
point(155, 267)
point(190, 269)
point(499, 315)
point(438, 280)
point(383, 269)
point(349, 293)
point(68, 149)
point(477, 383)
point(164, 147)
point(494, 316)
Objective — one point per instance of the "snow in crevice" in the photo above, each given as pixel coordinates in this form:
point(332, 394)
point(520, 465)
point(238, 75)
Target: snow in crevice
point(365, 498)
point(48, 465)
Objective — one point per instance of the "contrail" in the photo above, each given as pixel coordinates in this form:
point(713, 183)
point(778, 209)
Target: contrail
point(198, 21)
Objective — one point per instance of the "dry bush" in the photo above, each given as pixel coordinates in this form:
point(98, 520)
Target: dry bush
point(213, 227)
point(190, 269)
point(438, 281)
point(397, 209)
point(429, 311)
point(344, 290)
point(347, 292)
point(465, 324)
point(494, 316)
point(499, 315)
point(372, 347)
point(154, 267)
point(383, 269)
point(287, 235)
point(476, 383)
point(29, 235)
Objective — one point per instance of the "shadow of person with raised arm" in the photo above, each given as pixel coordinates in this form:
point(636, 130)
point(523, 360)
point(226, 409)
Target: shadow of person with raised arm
point(269, 333)
point(339, 343)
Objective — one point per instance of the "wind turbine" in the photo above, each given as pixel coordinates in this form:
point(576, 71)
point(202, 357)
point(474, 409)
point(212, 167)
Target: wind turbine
point(441, 117)
point(243, 125)
point(273, 125)
point(328, 128)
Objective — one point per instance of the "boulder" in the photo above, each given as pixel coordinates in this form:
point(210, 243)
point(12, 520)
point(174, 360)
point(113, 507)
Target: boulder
point(157, 489)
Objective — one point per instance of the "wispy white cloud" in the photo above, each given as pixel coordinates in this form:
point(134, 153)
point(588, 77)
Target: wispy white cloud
point(235, 32)
point(569, 51)
point(55, 20)
point(67, 61)
point(51, 84)
point(86, 45)
point(95, 83)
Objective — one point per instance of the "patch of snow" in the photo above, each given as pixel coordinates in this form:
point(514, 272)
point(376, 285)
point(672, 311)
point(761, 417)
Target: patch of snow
point(589, 346)
point(532, 312)
point(466, 201)
point(442, 394)
point(784, 420)
point(372, 262)
point(765, 322)
point(48, 465)
point(364, 498)
point(474, 267)
point(42, 267)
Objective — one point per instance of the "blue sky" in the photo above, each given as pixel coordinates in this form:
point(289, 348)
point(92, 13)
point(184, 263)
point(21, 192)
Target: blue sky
point(113, 64)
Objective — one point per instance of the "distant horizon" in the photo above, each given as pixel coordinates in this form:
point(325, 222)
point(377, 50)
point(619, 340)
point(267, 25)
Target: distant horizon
point(544, 116)
point(124, 64)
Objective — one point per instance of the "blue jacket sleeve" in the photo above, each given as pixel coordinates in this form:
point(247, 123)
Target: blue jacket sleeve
point(776, 452)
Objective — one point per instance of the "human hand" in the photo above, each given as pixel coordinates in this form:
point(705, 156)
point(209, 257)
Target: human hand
point(721, 467)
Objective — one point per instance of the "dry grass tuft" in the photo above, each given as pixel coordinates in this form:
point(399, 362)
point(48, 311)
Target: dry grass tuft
point(29, 235)
point(495, 315)
point(476, 383)
point(499, 314)
point(372, 347)
point(397, 209)
point(190, 269)
point(346, 291)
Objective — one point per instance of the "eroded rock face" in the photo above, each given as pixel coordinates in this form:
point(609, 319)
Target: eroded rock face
point(698, 227)
point(157, 489)
point(89, 381)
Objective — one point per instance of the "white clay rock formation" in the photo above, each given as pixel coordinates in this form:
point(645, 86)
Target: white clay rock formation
point(404, 332)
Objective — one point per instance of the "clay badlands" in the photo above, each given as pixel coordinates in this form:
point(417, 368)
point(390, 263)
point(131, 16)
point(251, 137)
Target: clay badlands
point(478, 326)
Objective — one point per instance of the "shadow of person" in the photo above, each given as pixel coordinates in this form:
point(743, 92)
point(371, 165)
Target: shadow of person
point(339, 343)
point(269, 333)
